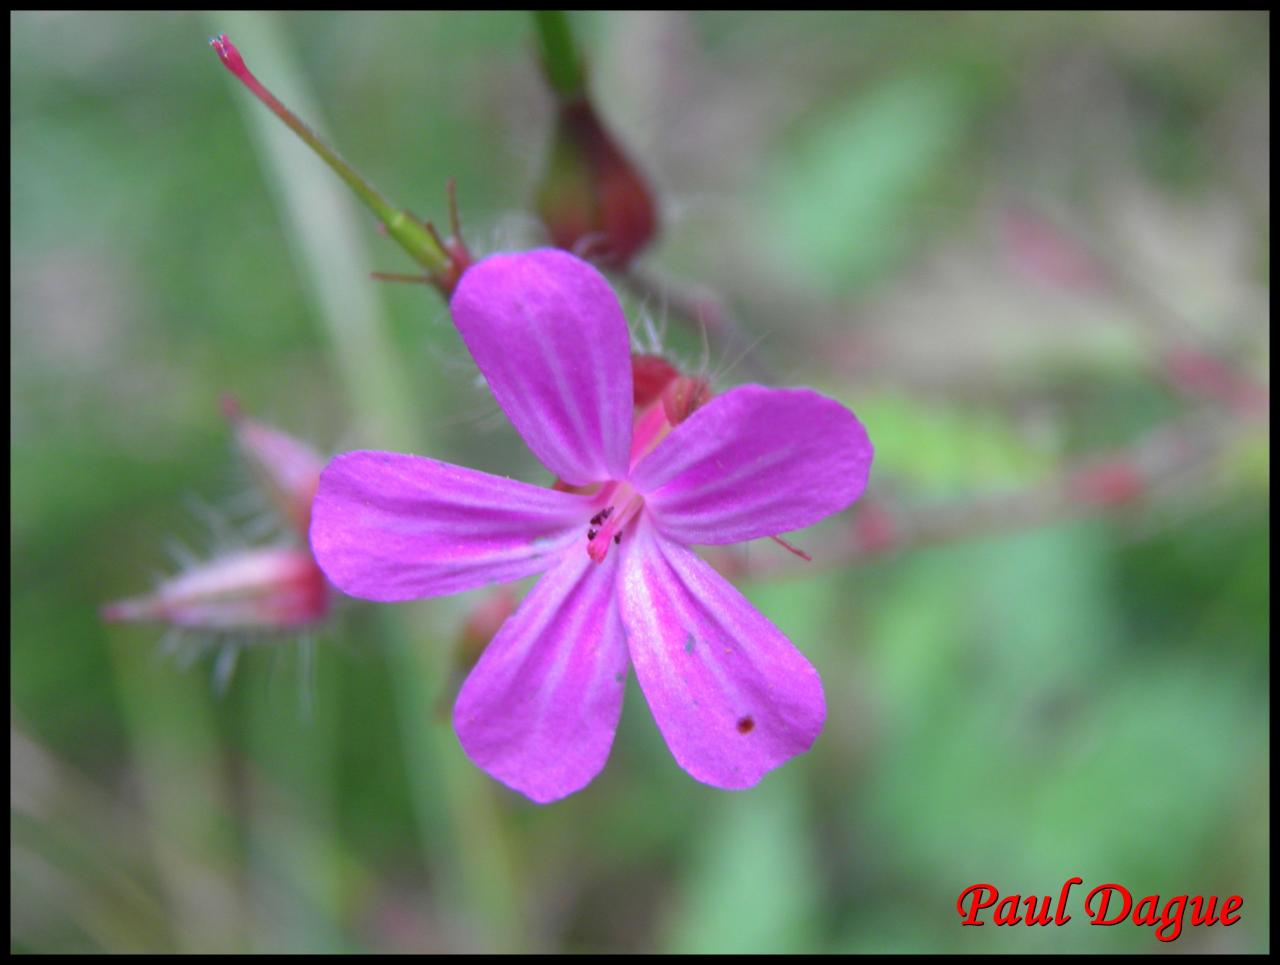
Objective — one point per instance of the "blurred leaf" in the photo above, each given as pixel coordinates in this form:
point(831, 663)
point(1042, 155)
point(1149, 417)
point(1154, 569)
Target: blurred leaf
point(752, 888)
point(841, 199)
point(940, 447)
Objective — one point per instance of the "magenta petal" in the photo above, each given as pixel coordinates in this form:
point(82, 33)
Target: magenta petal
point(539, 710)
point(731, 695)
point(549, 335)
point(755, 462)
point(390, 527)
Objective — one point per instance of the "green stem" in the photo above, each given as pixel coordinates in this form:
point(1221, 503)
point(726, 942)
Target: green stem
point(461, 835)
point(561, 60)
point(411, 236)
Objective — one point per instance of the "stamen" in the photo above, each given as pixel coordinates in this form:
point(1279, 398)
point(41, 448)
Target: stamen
point(624, 504)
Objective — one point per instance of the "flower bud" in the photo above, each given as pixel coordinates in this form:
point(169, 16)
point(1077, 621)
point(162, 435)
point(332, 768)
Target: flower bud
point(287, 469)
point(874, 529)
point(683, 397)
point(1040, 250)
point(483, 623)
point(1110, 483)
point(592, 199)
point(272, 589)
point(663, 399)
point(650, 374)
point(481, 626)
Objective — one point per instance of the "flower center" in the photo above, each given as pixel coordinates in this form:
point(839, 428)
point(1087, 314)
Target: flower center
point(621, 506)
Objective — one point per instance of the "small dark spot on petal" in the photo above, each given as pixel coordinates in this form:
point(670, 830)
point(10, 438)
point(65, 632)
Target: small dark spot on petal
point(617, 537)
point(619, 677)
point(688, 644)
point(746, 725)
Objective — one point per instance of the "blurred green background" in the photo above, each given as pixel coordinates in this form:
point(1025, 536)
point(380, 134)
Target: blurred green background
point(1087, 697)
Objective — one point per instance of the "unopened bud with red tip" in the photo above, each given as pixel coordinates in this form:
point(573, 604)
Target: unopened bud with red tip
point(275, 589)
point(592, 199)
point(650, 375)
point(287, 469)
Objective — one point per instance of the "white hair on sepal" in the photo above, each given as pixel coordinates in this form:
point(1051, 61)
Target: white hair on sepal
point(185, 648)
point(304, 658)
point(180, 555)
point(591, 244)
point(262, 527)
point(195, 646)
point(223, 535)
point(648, 335)
point(224, 668)
point(514, 231)
point(307, 676)
point(720, 373)
point(172, 641)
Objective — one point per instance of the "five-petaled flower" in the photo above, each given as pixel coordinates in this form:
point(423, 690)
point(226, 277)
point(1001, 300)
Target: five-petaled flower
point(731, 695)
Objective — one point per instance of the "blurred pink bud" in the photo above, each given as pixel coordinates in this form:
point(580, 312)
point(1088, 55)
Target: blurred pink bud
point(483, 623)
point(481, 626)
point(273, 589)
point(1039, 250)
point(592, 199)
point(286, 468)
point(874, 530)
point(1198, 374)
point(1106, 483)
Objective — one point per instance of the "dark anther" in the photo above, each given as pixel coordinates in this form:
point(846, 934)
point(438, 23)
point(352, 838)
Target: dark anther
point(617, 537)
point(606, 513)
point(746, 725)
point(591, 534)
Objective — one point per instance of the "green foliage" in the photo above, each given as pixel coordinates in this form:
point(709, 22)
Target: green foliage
point(844, 200)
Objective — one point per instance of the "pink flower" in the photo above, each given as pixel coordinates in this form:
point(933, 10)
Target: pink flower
point(272, 589)
point(266, 590)
point(731, 695)
point(286, 469)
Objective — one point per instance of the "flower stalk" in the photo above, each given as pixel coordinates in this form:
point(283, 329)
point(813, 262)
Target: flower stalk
point(443, 262)
point(592, 199)
point(561, 62)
